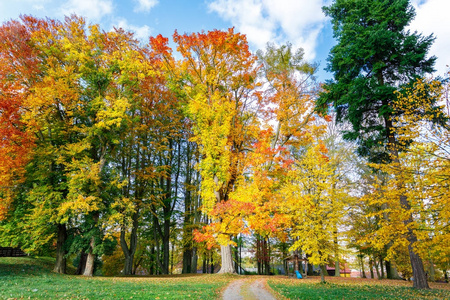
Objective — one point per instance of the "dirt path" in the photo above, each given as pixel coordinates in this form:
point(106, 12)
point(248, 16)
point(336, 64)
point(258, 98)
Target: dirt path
point(243, 289)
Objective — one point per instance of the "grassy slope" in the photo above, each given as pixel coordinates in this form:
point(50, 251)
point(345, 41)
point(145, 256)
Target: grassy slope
point(32, 277)
point(354, 288)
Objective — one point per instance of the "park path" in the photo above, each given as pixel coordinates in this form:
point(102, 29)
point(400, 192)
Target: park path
point(243, 289)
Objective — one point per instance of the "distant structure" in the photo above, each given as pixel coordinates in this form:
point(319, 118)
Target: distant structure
point(11, 252)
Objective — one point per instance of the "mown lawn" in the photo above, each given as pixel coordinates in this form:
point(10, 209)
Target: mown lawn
point(31, 278)
point(354, 288)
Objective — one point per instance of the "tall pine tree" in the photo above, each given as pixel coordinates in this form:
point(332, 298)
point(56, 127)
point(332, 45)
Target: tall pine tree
point(374, 57)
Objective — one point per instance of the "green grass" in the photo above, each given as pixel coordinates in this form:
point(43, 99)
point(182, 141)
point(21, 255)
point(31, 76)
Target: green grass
point(353, 288)
point(31, 278)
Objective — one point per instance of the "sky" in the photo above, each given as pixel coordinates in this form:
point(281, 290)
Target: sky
point(300, 22)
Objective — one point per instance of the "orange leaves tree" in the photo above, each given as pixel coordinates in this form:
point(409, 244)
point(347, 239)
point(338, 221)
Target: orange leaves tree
point(217, 79)
point(19, 70)
point(77, 108)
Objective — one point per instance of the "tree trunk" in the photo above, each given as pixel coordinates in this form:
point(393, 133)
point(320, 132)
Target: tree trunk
point(258, 254)
point(371, 268)
point(236, 258)
point(323, 269)
point(204, 271)
point(187, 261)
point(227, 260)
point(419, 275)
point(171, 258)
point(82, 264)
point(60, 264)
point(388, 270)
point(166, 246)
point(89, 270)
point(152, 270)
point(130, 250)
point(363, 269)
point(394, 272)
point(337, 268)
point(376, 267)
point(381, 267)
point(194, 260)
point(267, 256)
point(432, 271)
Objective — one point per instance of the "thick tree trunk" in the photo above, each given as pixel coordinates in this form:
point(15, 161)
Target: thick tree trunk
point(187, 261)
point(130, 250)
point(227, 260)
point(82, 264)
point(394, 272)
point(60, 264)
point(419, 275)
point(388, 270)
point(89, 269)
point(128, 267)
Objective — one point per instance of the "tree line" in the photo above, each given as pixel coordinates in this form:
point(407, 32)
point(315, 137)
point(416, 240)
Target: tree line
point(111, 147)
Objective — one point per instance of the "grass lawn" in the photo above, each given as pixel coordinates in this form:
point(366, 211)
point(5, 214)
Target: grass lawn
point(31, 278)
point(354, 288)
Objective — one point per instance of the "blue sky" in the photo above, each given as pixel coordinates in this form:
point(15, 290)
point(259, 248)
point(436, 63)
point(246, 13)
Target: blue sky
point(300, 22)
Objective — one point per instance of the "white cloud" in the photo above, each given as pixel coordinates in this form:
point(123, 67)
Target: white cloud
point(432, 17)
point(279, 21)
point(145, 5)
point(141, 33)
point(92, 10)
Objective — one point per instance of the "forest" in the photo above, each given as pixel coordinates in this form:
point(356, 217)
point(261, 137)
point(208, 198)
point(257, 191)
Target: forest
point(127, 158)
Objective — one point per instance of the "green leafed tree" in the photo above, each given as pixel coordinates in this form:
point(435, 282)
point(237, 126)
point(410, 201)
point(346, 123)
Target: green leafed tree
point(375, 56)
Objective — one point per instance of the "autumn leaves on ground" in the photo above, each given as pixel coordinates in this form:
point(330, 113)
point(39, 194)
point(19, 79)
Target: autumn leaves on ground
point(24, 278)
point(123, 158)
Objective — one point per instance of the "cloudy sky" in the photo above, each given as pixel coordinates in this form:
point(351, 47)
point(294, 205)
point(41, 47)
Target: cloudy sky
point(300, 22)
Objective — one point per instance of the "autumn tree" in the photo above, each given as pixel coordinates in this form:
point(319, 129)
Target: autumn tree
point(423, 133)
point(375, 55)
point(217, 80)
point(19, 69)
point(310, 204)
